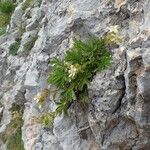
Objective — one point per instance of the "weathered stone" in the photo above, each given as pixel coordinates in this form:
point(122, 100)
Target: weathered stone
point(118, 115)
point(16, 19)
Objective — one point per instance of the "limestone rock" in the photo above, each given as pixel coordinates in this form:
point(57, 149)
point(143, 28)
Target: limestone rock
point(118, 116)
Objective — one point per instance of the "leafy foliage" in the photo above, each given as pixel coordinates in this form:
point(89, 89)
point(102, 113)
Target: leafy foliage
point(12, 136)
point(47, 119)
point(26, 4)
point(14, 48)
point(15, 141)
point(2, 30)
point(7, 6)
point(4, 19)
point(6, 9)
point(16, 108)
point(73, 74)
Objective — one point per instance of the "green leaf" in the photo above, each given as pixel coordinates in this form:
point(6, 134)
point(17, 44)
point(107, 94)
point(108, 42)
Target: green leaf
point(87, 58)
point(7, 6)
point(69, 93)
point(104, 62)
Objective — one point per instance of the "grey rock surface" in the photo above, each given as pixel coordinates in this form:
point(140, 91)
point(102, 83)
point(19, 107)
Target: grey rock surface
point(118, 116)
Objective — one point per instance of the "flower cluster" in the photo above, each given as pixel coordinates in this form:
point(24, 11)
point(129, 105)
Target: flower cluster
point(114, 29)
point(40, 97)
point(16, 114)
point(113, 36)
point(72, 71)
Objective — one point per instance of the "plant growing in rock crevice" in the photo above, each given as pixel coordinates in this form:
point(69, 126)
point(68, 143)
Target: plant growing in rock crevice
point(26, 4)
point(47, 119)
point(6, 9)
point(4, 19)
point(2, 30)
point(29, 45)
point(13, 48)
point(7, 6)
point(12, 136)
point(73, 74)
point(21, 30)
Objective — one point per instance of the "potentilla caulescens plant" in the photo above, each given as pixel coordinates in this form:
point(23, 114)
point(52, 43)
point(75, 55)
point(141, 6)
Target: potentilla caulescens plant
point(73, 74)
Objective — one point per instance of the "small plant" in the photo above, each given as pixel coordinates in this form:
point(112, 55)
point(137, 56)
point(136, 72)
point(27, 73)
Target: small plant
point(15, 141)
point(73, 74)
point(14, 48)
point(12, 136)
point(47, 119)
point(7, 6)
point(113, 36)
point(16, 108)
point(21, 30)
point(4, 19)
point(40, 97)
point(26, 4)
point(2, 30)
point(29, 45)
point(6, 9)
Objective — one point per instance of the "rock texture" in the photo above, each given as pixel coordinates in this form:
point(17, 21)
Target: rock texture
point(118, 117)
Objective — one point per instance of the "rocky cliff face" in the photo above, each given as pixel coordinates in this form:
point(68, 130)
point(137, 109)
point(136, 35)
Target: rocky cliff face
point(118, 117)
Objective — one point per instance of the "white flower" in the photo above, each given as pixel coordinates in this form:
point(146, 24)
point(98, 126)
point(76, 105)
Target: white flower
point(72, 71)
point(113, 29)
point(41, 96)
point(38, 97)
